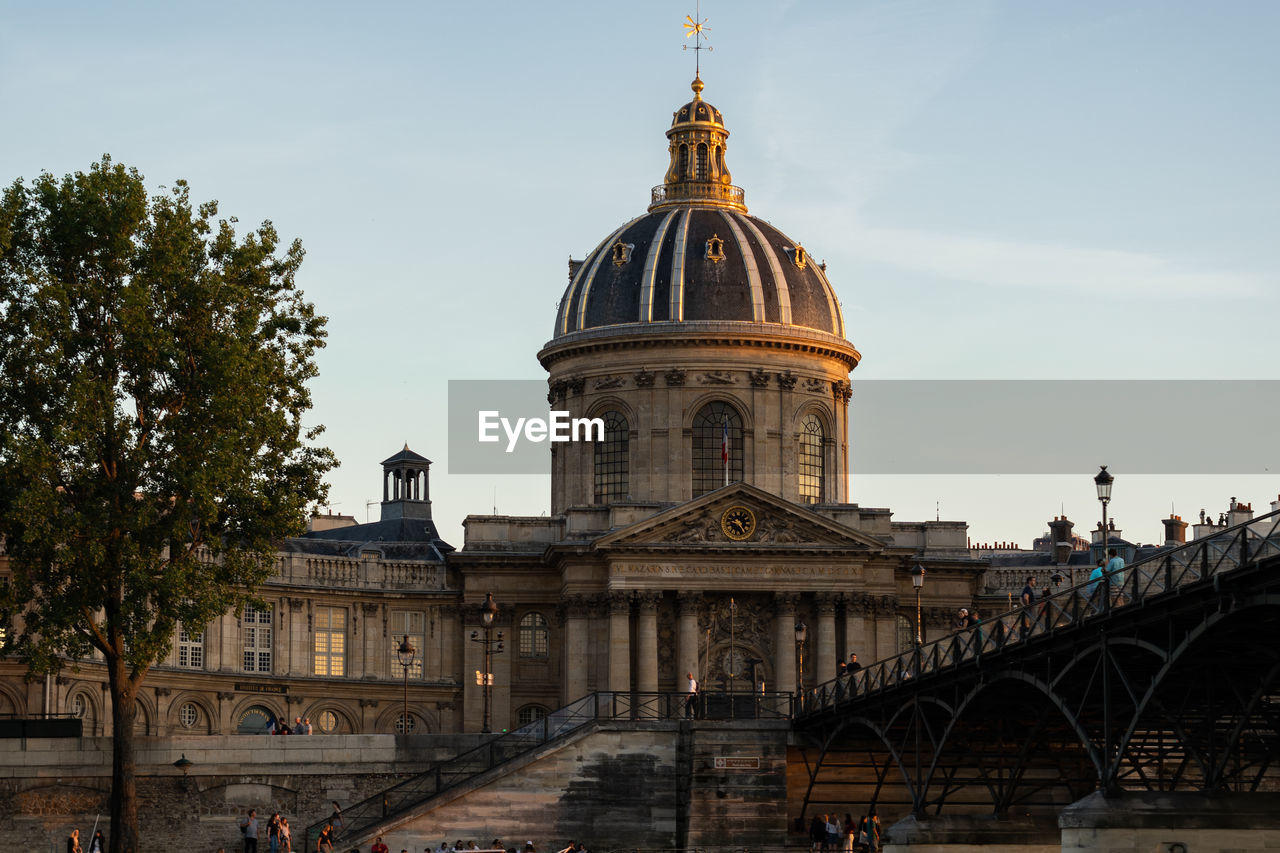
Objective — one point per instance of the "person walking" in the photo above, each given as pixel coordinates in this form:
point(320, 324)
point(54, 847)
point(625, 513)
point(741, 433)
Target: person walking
point(273, 833)
point(98, 844)
point(691, 700)
point(73, 842)
point(1115, 576)
point(249, 829)
point(286, 836)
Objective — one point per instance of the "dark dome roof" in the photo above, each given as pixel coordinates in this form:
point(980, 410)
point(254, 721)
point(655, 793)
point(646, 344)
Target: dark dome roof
point(691, 264)
point(697, 110)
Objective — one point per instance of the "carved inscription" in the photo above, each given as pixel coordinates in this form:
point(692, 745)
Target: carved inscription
point(735, 571)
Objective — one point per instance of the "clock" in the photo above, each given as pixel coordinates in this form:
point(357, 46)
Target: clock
point(738, 523)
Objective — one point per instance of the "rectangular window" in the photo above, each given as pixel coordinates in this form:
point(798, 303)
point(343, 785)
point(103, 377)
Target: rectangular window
point(256, 631)
point(411, 624)
point(190, 649)
point(330, 641)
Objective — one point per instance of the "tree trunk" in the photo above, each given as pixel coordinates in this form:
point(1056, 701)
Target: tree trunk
point(124, 792)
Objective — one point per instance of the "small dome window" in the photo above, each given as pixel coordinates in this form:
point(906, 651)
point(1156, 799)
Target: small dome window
point(715, 249)
point(622, 253)
point(799, 257)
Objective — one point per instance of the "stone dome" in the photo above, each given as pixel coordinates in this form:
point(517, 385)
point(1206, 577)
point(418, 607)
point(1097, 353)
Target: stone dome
point(697, 256)
point(689, 263)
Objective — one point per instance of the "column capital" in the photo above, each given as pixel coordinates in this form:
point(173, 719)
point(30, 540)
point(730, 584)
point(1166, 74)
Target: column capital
point(573, 606)
point(826, 602)
point(619, 601)
point(648, 599)
point(689, 603)
point(786, 602)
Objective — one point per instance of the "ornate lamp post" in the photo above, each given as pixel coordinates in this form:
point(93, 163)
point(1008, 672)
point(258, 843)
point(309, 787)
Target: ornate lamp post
point(917, 581)
point(488, 612)
point(407, 654)
point(802, 631)
point(1103, 481)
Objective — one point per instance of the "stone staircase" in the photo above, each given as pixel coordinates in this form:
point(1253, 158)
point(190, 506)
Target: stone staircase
point(506, 753)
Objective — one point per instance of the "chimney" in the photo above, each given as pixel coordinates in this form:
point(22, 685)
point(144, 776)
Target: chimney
point(1239, 513)
point(1060, 536)
point(1175, 531)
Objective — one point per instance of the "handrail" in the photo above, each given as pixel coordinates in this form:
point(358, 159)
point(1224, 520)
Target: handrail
point(559, 724)
point(1161, 573)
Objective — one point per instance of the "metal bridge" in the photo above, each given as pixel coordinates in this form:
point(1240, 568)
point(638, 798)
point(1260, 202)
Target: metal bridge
point(1164, 676)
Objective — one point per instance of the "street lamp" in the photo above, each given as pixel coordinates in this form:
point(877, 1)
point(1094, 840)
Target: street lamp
point(488, 612)
point(1103, 481)
point(407, 654)
point(802, 631)
point(917, 581)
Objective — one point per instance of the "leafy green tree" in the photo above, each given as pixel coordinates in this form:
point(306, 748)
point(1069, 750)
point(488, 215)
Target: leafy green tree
point(152, 446)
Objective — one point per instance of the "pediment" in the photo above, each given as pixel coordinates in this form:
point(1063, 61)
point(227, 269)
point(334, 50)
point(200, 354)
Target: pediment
point(700, 522)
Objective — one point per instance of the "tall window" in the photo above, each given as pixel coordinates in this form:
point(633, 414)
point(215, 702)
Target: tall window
point(190, 649)
point(684, 162)
point(330, 641)
point(534, 641)
point(256, 631)
point(411, 624)
point(811, 468)
point(906, 634)
point(715, 426)
point(702, 162)
point(611, 462)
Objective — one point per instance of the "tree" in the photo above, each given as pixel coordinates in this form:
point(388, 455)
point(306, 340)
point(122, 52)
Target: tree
point(152, 446)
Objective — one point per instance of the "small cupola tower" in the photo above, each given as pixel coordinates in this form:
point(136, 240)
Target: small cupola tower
point(406, 491)
point(697, 173)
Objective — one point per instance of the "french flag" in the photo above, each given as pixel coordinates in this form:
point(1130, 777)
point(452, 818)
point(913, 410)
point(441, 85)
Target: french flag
point(724, 442)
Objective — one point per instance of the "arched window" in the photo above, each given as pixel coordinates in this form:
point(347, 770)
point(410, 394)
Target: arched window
point(254, 720)
point(703, 166)
point(906, 634)
point(811, 468)
point(717, 446)
point(534, 640)
point(611, 461)
point(684, 162)
point(530, 714)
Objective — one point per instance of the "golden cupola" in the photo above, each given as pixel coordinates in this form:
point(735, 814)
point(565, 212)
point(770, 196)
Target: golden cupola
point(697, 140)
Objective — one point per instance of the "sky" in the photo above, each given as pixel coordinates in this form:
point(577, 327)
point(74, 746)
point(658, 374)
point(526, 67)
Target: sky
point(1001, 190)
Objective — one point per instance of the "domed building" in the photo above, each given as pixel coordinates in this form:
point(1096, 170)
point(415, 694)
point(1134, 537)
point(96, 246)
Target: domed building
point(712, 517)
point(697, 331)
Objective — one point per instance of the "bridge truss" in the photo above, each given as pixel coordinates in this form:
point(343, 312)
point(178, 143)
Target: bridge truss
point(1164, 676)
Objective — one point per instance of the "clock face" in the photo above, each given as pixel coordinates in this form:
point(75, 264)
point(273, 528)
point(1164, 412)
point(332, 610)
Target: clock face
point(738, 523)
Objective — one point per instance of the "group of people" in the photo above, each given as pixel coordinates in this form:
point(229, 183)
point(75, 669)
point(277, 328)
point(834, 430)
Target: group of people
point(828, 834)
point(279, 836)
point(97, 844)
point(301, 726)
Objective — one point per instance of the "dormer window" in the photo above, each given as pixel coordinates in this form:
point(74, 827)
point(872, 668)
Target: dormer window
point(799, 257)
point(715, 249)
point(622, 253)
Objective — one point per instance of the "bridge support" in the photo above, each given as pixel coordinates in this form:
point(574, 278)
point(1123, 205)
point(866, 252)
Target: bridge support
point(968, 834)
point(1171, 822)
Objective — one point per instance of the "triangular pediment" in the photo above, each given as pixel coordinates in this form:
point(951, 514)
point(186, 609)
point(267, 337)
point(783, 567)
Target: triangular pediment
point(738, 515)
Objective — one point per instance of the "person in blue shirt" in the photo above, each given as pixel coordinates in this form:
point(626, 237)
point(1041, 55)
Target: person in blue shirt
point(1095, 578)
point(1115, 568)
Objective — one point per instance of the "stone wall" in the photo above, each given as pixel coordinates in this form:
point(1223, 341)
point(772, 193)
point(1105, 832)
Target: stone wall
point(49, 786)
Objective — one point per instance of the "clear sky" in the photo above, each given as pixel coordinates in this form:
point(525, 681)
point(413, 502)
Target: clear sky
point(1000, 190)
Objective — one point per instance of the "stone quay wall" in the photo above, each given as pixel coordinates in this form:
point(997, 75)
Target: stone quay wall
point(49, 786)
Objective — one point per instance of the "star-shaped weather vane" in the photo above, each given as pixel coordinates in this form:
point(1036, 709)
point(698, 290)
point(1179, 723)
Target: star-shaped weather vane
point(697, 27)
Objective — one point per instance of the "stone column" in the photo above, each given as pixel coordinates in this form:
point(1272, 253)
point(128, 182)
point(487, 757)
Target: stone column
point(824, 664)
point(855, 629)
point(687, 637)
point(784, 641)
point(619, 641)
point(575, 648)
point(647, 642)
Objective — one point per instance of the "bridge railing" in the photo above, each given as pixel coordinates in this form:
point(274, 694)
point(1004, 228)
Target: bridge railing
point(1135, 584)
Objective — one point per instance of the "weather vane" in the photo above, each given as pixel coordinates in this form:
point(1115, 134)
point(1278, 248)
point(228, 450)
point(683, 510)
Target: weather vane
point(699, 30)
